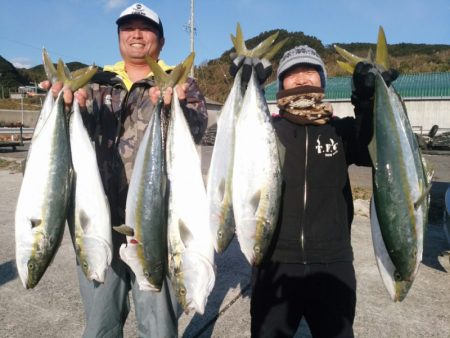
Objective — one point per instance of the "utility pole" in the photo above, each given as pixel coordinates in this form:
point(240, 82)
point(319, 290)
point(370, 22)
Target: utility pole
point(190, 28)
point(192, 31)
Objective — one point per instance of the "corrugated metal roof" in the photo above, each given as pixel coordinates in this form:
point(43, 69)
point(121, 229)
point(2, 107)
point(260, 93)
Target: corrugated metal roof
point(423, 85)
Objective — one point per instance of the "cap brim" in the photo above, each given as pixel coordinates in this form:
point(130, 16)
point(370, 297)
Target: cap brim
point(125, 18)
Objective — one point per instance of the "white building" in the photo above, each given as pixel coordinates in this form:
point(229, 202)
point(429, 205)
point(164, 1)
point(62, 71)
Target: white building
point(426, 97)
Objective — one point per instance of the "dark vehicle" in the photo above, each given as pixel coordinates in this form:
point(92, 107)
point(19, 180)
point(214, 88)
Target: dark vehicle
point(432, 141)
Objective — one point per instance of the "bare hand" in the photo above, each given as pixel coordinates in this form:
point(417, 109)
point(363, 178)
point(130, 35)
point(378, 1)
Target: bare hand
point(80, 94)
point(155, 93)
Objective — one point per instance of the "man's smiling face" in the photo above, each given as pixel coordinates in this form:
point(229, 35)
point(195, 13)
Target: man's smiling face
point(138, 38)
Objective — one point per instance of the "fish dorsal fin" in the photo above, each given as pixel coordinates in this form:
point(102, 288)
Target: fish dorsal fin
point(382, 56)
point(178, 75)
point(254, 202)
point(185, 234)
point(35, 222)
point(124, 230)
point(263, 49)
point(49, 67)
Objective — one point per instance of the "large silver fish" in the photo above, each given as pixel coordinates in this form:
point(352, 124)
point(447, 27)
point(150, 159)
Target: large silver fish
point(219, 185)
point(43, 199)
point(256, 175)
point(145, 218)
point(220, 177)
point(191, 252)
point(89, 216)
point(401, 184)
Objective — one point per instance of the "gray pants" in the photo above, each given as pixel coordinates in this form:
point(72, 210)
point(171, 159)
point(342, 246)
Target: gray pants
point(107, 305)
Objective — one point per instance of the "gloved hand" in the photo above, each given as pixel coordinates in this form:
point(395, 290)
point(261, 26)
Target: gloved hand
point(363, 81)
point(263, 67)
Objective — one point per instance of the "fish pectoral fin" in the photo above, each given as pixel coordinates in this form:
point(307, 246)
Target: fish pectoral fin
point(422, 197)
point(185, 233)
point(124, 230)
point(254, 202)
point(222, 189)
point(84, 220)
point(35, 222)
point(281, 152)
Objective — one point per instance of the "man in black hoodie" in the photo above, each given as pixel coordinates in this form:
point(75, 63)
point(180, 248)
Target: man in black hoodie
point(308, 271)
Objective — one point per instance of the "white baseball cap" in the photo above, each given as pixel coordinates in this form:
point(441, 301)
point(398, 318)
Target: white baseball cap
point(141, 11)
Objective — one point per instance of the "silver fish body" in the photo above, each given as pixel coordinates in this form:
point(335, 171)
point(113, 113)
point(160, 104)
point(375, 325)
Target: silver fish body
point(89, 216)
point(146, 248)
point(220, 176)
point(43, 199)
point(190, 248)
point(401, 185)
point(256, 175)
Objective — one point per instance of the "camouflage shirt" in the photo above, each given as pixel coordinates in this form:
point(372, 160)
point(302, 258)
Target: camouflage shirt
point(116, 119)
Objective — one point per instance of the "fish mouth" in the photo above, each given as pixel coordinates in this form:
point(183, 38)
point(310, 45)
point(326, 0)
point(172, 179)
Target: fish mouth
point(98, 276)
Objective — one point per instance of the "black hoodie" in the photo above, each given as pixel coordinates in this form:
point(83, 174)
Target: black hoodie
point(317, 207)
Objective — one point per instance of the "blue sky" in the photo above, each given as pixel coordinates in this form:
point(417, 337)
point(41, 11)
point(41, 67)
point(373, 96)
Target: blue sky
point(85, 30)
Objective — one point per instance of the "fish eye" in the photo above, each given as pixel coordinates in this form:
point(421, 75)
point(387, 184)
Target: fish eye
point(257, 249)
point(220, 234)
point(30, 266)
point(146, 274)
point(182, 291)
point(85, 265)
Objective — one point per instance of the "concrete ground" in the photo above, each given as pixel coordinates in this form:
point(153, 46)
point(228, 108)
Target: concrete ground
point(54, 308)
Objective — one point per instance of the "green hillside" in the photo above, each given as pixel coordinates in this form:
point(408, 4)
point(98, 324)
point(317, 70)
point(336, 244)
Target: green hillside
point(10, 77)
point(408, 58)
point(215, 81)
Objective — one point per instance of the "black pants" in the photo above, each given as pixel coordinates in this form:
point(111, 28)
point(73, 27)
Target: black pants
point(324, 294)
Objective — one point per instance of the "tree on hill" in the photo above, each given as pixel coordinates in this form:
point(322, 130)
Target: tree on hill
point(215, 81)
point(10, 78)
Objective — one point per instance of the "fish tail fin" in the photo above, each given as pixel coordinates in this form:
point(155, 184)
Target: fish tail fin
point(351, 59)
point(382, 56)
point(271, 53)
point(49, 67)
point(178, 75)
point(71, 82)
point(263, 49)
point(238, 41)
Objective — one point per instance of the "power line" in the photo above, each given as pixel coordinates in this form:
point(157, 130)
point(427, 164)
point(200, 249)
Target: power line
point(52, 52)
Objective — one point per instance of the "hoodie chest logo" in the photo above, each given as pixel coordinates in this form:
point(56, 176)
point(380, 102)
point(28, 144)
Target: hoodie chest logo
point(107, 100)
point(329, 149)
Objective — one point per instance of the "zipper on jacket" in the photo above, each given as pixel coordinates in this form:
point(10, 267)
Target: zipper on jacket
point(305, 186)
